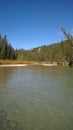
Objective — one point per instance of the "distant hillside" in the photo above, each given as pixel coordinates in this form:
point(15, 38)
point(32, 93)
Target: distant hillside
point(59, 52)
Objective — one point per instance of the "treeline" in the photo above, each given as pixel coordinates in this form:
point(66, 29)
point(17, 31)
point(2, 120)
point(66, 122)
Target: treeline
point(59, 52)
point(6, 50)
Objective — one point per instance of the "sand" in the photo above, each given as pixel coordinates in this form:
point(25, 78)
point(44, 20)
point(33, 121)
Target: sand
point(49, 64)
point(13, 65)
point(20, 65)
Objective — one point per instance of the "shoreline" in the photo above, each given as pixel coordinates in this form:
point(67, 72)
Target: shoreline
point(20, 65)
point(49, 64)
point(13, 65)
point(9, 63)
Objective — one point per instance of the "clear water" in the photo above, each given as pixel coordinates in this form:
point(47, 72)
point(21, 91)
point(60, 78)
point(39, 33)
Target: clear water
point(36, 98)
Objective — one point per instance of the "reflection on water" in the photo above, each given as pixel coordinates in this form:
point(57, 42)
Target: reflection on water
point(36, 98)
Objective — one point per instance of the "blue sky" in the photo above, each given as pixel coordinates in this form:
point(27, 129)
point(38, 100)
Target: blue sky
point(32, 23)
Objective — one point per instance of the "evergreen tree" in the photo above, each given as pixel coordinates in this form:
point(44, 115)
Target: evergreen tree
point(6, 50)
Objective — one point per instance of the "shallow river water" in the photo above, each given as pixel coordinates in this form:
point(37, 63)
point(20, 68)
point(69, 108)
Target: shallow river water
point(36, 98)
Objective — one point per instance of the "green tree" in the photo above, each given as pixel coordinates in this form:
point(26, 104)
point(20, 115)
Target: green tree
point(69, 38)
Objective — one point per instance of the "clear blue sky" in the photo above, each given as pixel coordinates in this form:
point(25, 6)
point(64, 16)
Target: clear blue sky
point(32, 23)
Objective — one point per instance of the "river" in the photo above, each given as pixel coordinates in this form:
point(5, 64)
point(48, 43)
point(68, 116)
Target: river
point(36, 98)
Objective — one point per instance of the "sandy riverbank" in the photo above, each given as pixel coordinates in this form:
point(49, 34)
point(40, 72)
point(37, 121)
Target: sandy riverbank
point(13, 65)
point(49, 64)
point(20, 65)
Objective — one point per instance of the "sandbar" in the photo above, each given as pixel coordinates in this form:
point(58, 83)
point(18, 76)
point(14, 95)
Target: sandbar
point(13, 65)
point(50, 64)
